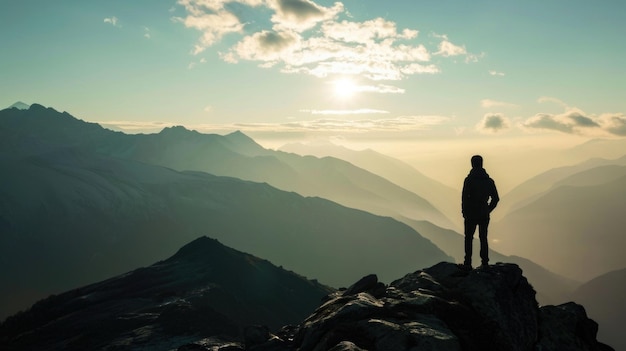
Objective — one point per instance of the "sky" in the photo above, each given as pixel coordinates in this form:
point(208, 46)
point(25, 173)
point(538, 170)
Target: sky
point(410, 78)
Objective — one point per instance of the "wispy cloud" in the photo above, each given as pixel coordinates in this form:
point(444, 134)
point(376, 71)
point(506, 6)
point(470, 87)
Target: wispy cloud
point(362, 111)
point(322, 125)
point(547, 99)
point(614, 123)
point(136, 126)
point(488, 103)
point(112, 21)
point(496, 73)
point(394, 124)
point(305, 37)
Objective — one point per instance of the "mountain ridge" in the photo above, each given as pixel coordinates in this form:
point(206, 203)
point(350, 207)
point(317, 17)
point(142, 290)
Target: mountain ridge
point(98, 215)
point(205, 287)
point(240, 157)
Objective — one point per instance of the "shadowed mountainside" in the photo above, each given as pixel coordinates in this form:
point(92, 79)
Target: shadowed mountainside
point(603, 298)
point(70, 215)
point(205, 288)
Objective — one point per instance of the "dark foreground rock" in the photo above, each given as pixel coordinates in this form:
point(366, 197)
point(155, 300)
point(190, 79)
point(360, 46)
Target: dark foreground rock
point(440, 308)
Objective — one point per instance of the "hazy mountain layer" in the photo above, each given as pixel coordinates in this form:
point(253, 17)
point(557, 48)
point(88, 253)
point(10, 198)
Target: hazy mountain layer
point(233, 155)
point(575, 229)
point(603, 298)
point(205, 288)
point(238, 156)
point(533, 188)
point(70, 216)
point(441, 196)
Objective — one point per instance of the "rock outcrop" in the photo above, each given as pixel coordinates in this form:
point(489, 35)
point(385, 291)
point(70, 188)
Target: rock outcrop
point(442, 308)
point(439, 308)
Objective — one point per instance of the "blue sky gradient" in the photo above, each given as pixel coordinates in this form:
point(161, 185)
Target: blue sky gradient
point(408, 69)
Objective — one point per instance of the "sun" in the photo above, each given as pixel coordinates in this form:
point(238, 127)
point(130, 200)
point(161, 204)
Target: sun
point(345, 88)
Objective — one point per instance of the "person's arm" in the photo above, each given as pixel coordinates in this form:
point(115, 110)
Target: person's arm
point(494, 197)
point(464, 197)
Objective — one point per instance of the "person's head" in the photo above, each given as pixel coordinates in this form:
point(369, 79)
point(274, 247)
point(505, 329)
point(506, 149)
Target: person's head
point(477, 161)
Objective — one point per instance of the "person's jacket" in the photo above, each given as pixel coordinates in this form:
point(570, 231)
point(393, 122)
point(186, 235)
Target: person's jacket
point(479, 196)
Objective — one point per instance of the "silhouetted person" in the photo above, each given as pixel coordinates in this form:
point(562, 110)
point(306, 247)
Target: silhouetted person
point(479, 198)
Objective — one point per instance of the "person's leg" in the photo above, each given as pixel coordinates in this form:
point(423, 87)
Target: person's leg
point(470, 228)
point(484, 244)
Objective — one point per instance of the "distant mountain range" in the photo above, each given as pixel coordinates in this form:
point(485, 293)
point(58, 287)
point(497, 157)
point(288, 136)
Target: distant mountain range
point(206, 288)
point(443, 197)
point(531, 189)
point(76, 205)
point(575, 227)
point(234, 155)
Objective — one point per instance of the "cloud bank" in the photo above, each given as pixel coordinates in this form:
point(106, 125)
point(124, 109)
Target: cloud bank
point(301, 36)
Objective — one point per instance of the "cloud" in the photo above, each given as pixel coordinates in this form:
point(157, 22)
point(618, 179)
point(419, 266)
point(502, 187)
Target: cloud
point(300, 15)
point(496, 73)
point(446, 48)
point(575, 121)
point(493, 123)
point(136, 126)
point(553, 100)
point(395, 124)
point(323, 125)
point(488, 103)
point(212, 19)
point(266, 46)
point(614, 123)
point(549, 122)
point(304, 37)
point(113, 21)
point(381, 88)
point(146, 32)
point(361, 111)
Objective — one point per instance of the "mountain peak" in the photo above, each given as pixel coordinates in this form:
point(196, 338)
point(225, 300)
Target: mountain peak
point(201, 247)
point(20, 106)
point(239, 136)
point(176, 130)
point(242, 143)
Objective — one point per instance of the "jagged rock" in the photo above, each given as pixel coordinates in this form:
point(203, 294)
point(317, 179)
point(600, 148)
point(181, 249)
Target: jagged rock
point(441, 308)
point(567, 327)
point(444, 308)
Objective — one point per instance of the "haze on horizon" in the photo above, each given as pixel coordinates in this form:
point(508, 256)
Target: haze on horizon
point(428, 83)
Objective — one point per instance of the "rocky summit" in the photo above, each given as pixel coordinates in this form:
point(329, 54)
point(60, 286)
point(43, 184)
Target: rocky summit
point(439, 308)
point(443, 308)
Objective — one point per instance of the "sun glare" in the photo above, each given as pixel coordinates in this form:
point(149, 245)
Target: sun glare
point(344, 88)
